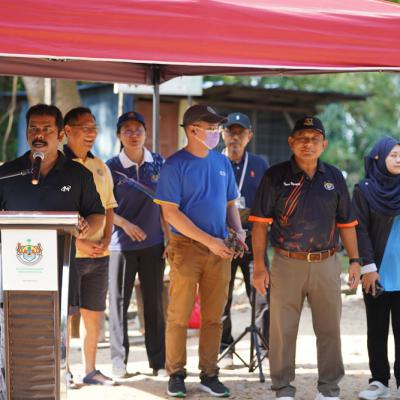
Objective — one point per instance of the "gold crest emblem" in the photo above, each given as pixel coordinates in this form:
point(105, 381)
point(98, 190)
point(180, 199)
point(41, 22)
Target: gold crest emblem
point(309, 122)
point(28, 253)
point(329, 186)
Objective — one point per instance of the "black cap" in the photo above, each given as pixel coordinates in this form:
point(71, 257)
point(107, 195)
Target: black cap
point(131, 116)
point(201, 113)
point(309, 123)
point(238, 119)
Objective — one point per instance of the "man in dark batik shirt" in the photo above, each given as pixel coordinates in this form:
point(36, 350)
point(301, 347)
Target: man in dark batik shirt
point(307, 204)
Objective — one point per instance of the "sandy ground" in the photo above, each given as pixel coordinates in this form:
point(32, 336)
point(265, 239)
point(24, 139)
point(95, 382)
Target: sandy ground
point(243, 385)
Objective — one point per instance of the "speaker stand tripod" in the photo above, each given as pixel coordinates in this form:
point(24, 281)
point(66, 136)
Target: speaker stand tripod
point(256, 358)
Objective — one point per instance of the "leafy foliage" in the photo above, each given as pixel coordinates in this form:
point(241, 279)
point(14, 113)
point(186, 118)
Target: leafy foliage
point(352, 126)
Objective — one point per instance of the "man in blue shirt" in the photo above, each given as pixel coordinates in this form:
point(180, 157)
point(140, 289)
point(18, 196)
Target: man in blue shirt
point(248, 169)
point(197, 193)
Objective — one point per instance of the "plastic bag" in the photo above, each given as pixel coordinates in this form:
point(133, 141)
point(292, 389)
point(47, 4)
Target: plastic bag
point(195, 317)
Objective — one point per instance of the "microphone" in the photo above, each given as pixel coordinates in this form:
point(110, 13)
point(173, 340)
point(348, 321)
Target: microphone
point(37, 161)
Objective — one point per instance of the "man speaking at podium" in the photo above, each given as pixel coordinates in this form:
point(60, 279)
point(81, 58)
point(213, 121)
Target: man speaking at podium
point(59, 184)
point(44, 180)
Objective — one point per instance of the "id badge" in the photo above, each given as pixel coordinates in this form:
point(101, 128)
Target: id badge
point(240, 202)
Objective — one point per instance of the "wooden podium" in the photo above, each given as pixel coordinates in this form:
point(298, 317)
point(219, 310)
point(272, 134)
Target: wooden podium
point(35, 274)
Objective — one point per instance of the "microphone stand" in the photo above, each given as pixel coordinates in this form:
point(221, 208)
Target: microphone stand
point(256, 339)
point(15, 174)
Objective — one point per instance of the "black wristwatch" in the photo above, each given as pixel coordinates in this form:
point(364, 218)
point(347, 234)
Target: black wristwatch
point(356, 260)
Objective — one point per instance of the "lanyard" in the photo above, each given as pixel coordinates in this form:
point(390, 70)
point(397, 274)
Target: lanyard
point(246, 161)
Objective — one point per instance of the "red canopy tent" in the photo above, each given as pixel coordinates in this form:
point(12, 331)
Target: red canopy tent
point(126, 38)
point(149, 41)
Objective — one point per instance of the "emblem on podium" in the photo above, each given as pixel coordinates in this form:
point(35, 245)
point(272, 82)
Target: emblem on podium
point(29, 254)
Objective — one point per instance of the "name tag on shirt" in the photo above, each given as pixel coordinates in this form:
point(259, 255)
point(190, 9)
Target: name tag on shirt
point(240, 202)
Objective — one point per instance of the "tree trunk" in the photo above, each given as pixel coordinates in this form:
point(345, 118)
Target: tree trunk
point(10, 113)
point(67, 95)
point(34, 89)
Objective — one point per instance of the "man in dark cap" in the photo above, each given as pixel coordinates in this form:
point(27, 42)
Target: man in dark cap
point(197, 193)
point(248, 169)
point(307, 203)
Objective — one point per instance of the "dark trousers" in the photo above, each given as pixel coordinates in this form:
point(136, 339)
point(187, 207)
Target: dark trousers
point(379, 312)
point(124, 265)
point(262, 306)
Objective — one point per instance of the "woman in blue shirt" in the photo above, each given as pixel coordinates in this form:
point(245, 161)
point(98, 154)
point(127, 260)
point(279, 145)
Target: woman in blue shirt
point(137, 245)
point(376, 200)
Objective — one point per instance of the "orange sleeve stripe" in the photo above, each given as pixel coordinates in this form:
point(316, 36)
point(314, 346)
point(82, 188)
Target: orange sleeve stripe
point(349, 225)
point(253, 218)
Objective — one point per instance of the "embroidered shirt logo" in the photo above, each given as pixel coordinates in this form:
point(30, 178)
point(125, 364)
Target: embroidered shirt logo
point(329, 186)
point(155, 178)
point(66, 188)
point(291, 183)
point(222, 173)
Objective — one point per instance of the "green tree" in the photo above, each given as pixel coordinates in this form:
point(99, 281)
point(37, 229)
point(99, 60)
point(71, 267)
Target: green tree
point(352, 126)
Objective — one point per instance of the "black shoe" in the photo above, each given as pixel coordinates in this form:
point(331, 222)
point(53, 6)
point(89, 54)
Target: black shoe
point(176, 386)
point(212, 385)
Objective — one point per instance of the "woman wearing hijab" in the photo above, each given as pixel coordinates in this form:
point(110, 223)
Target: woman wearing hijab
point(376, 200)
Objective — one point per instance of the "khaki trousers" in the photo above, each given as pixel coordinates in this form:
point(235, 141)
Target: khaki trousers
point(291, 282)
point(193, 264)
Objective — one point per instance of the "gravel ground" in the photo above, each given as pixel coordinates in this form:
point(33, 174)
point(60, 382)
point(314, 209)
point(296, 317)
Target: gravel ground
point(243, 385)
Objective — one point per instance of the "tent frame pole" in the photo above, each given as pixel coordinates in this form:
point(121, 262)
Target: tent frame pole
point(156, 77)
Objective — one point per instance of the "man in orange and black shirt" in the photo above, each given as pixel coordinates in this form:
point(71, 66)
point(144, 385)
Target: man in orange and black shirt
point(308, 206)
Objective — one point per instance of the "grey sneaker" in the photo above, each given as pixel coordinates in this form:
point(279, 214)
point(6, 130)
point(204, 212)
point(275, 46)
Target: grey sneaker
point(213, 386)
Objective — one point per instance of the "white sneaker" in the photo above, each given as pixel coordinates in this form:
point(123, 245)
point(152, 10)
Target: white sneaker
point(227, 362)
point(160, 372)
point(375, 390)
point(285, 398)
point(320, 396)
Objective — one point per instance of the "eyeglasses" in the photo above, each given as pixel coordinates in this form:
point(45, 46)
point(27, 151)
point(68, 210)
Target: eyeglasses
point(131, 132)
point(209, 128)
point(242, 132)
point(87, 128)
point(46, 130)
point(305, 140)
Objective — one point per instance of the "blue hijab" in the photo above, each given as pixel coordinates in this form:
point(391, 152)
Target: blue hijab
point(380, 187)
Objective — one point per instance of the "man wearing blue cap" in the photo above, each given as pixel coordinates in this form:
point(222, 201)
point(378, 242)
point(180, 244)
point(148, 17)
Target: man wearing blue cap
point(248, 170)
